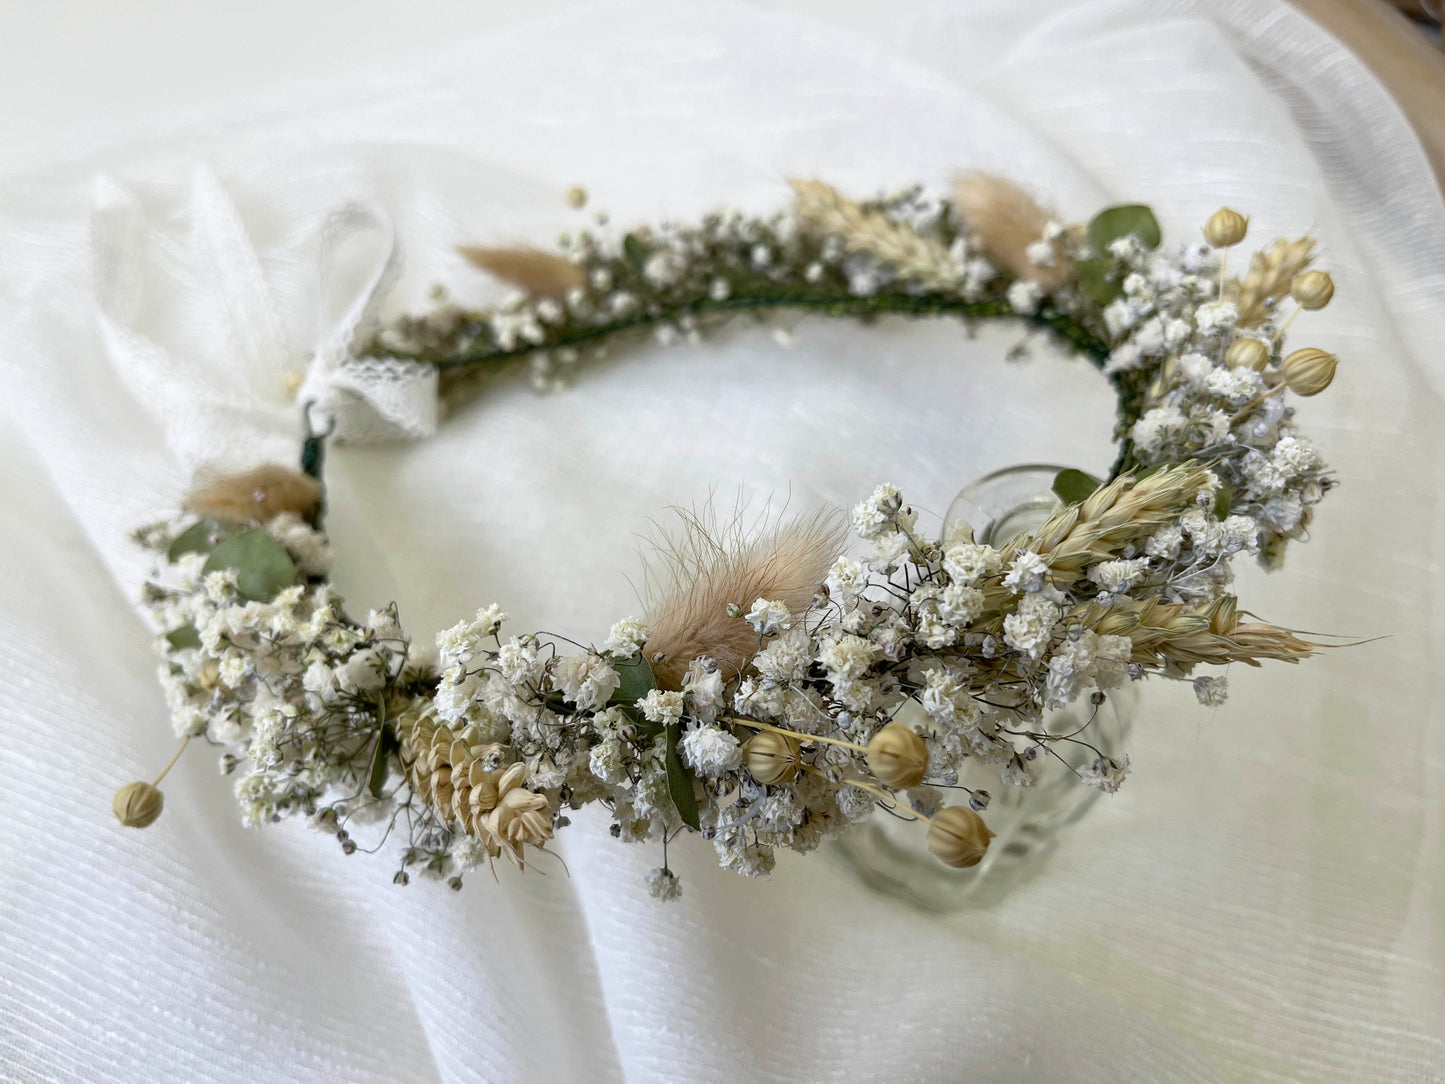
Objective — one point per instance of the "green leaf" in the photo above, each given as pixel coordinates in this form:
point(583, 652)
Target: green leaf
point(1073, 486)
point(183, 637)
point(1094, 280)
point(263, 567)
point(200, 537)
point(1113, 223)
point(1145, 472)
point(679, 780)
point(1223, 500)
point(637, 680)
point(380, 757)
point(635, 251)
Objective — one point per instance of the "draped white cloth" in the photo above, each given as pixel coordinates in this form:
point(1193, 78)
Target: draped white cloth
point(1265, 899)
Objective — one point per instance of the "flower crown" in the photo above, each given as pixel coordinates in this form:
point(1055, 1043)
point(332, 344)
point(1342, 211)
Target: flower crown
point(779, 692)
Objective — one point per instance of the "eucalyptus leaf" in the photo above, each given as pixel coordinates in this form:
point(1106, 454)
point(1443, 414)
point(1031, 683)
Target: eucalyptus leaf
point(637, 680)
point(1113, 223)
point(1223, 499)
point(380, 758)
point(679, 780)
point(200, 537)
point(1094, 280)
point(1074, 486)
point(263, 567)
point(184, 637)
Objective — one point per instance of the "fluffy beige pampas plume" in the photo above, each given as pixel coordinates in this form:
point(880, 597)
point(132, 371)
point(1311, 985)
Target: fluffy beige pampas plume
point(534, 272)
point(708, 566)
point(1007, 221)
point(256, 495)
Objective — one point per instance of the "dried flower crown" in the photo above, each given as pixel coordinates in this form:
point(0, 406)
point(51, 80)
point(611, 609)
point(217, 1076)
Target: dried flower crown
point(780, 692)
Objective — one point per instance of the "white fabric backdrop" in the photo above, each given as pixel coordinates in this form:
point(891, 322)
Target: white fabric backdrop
point(1264, 900)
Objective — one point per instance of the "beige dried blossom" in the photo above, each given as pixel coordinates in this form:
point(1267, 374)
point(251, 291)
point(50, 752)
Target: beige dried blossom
point(1271, 274)
point(1250, 353)
point(1313, 289)
point(1225, 227)
point(1009, 222)
point(958, 837)
point(916, 258)
point(772, 757)
point(1309, 370)
point(897, 756)
point(138, 804)
point(256, 495)
point(534, 272)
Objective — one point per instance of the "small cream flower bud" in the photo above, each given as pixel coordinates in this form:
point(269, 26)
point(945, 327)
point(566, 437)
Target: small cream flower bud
point(1313, 289)
point(577, 196)
point(1252, 353)
point(138, 804)
point(898, 757)
point(958, 837)
point(772, 757)
point(1225, 227)
point(1309, 371)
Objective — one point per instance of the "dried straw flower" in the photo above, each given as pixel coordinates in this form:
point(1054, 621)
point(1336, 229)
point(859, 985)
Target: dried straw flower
point(534, 272)
point(920, 259)
point(772, 757)
point(958, 837)
point(257, 495)
point(1309, 371)
point(1250, 353)
point(1271, 274)
point(898, 757)
point(709, 567)
point(1313, 289)
point(138, 804)
point(1225, 227)
point(1009, 222)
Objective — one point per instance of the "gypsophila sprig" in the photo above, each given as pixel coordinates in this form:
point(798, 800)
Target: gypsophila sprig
point(761, 704)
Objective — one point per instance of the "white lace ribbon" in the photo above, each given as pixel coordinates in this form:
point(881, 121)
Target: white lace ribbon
point(367, 399)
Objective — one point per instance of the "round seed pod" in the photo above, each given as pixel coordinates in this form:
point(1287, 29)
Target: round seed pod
point(1309, 371)
point(958, 837)
point(898, 757)
point(1225, 227)
point(1253, 353)
point(138, 804)
point(1313, 289)
point(772, 757)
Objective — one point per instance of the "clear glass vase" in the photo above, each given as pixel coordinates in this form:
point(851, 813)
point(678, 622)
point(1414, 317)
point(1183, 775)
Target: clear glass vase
point(891, 854)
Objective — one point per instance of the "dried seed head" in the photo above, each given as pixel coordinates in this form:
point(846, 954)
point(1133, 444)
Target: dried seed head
point(1251, 353)
point(898, 757)
point(1225, 227)
point(138, 804)
point(1313, 289)
point(772, 757)
point(1309, 371)
point(958, 837)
